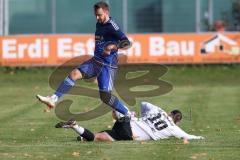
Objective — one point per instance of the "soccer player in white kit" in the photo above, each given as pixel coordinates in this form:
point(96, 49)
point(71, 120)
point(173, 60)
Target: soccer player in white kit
point(153, 124)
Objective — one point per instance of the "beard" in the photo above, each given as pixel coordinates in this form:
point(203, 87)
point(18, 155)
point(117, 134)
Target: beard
point(102, 20)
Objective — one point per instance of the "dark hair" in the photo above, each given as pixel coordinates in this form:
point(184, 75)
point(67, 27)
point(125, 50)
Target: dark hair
point(177, 115)
point(102, 5)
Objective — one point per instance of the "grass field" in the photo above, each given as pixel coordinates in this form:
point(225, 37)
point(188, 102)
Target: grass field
point(212, 93)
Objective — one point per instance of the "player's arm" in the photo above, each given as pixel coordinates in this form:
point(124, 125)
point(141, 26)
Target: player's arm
point(179, 133)
point(124, 44)
point(122, 40)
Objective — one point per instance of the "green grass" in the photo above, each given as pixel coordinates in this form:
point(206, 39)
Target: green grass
point(211, 92)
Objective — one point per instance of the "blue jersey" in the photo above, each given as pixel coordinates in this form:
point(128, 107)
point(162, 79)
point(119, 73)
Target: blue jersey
point(107, 33)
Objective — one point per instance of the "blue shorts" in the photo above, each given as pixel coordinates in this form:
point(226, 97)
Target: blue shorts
point(104, 73)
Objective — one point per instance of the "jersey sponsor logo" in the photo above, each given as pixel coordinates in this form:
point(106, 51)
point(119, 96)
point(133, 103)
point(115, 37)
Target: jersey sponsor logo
point(98, 38)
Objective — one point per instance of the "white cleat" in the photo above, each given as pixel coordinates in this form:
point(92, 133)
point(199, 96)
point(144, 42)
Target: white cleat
point(49, 101)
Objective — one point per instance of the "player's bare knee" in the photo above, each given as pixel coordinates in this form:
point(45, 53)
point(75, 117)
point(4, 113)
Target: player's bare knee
point(76, 74)
point(98, 137)
point(102, 137)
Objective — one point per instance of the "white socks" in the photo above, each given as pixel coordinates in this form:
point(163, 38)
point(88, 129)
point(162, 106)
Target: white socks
point(78, 129)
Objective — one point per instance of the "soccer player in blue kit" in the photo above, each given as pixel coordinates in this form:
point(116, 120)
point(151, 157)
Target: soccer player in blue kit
point(103, 65)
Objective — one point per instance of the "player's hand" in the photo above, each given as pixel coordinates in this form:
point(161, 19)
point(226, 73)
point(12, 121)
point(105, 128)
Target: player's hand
point(200, 137)
point(107, 49)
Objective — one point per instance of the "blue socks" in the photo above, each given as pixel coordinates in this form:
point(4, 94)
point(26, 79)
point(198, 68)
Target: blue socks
point(65, 86)
point(119, 106)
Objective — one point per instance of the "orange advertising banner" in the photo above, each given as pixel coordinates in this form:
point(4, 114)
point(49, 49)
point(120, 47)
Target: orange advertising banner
point(48, 50)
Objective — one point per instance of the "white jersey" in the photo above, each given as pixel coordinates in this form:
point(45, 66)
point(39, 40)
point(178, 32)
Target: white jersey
point(155, 124)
